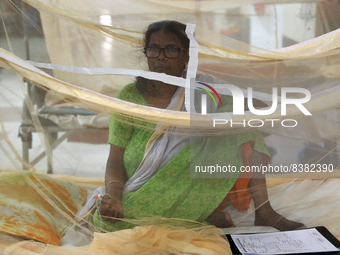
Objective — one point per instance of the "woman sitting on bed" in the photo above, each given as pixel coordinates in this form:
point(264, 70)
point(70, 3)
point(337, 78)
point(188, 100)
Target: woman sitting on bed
point(162, 185)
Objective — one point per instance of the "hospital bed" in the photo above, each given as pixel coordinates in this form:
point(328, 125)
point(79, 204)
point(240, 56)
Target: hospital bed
point(56, 124)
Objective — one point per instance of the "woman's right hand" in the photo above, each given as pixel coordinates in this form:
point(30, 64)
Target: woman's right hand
point(110, 208)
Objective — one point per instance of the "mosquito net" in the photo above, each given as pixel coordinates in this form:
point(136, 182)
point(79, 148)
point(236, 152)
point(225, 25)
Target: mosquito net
point(254, 67)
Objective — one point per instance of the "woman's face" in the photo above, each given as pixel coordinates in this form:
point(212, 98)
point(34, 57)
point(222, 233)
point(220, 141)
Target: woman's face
point(162, 64)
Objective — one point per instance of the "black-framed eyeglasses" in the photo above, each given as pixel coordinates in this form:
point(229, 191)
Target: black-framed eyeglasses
point(169, 52)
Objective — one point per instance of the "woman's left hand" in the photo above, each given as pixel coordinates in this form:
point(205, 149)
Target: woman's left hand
point(111, 208)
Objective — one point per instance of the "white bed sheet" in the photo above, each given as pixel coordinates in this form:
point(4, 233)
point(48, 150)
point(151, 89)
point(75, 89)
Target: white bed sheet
point(71, 122)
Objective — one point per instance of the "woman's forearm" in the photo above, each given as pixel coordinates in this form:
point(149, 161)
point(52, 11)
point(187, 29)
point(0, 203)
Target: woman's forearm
point(115, 175)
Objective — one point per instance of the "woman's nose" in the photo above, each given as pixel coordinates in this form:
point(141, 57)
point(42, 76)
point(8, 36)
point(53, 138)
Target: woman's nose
point(162, 54)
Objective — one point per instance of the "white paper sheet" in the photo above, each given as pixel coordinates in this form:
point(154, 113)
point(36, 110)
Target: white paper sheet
point(300, 241)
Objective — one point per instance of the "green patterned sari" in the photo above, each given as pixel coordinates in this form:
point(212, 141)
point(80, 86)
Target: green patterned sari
point(171, 193)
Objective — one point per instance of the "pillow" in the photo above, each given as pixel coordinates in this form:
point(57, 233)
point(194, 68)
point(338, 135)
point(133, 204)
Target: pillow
point(37, 206)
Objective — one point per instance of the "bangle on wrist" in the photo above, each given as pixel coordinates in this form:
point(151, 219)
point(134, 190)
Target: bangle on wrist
point(114, 181)
point(110, 196)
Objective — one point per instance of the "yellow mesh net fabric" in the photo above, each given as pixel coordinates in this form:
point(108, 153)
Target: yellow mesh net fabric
point(142, 240)
point(61, 55)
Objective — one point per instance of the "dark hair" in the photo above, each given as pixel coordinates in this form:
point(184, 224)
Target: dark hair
point(170, 26)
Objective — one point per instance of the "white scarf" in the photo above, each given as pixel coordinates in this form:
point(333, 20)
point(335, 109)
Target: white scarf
point(160, 152)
